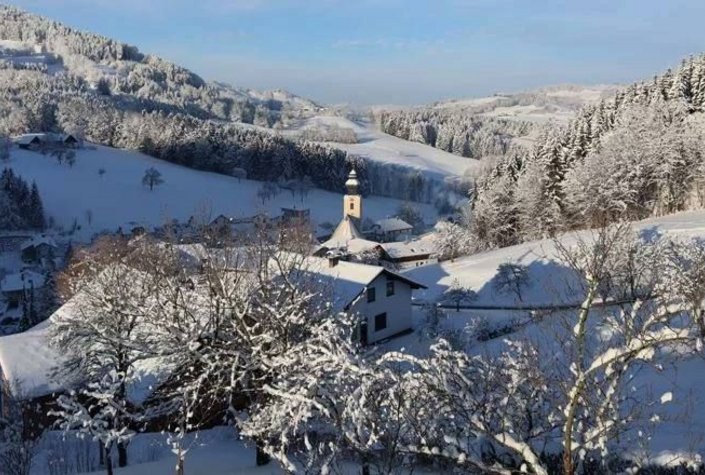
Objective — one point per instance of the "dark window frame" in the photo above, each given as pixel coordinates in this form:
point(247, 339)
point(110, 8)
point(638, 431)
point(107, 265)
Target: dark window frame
point(381, 322)
point(352, 206)
point(391, 288)
point(371, 294)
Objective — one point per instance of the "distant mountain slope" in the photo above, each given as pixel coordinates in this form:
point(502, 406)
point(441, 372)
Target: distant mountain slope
point(55, 78)
point(489, 126)
point(553, 103)
point(33, 42)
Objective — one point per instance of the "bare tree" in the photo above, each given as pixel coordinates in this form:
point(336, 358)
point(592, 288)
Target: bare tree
point(59, 154)
point(152, 177)
point(239, 173)
point(459, 294)
point(610, 264)
point(70, 158)
point(512, 278)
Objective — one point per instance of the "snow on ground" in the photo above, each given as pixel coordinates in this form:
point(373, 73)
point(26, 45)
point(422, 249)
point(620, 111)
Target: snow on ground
point(118, 198)
point(546, 275)
point(378, 146)
point(213, 452)
point(677, 388)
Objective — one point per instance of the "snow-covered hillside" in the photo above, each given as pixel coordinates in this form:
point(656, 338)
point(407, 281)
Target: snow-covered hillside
point(676, 430)
point(556, 103)
point(546, 276)
point(487, 126)
point(117, 198)
point(110, 67)
point(381, 147)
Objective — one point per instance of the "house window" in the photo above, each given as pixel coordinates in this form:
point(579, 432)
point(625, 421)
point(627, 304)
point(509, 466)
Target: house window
point(390, 288)
point(380, 322)
point(352, 205)
point(371, 294)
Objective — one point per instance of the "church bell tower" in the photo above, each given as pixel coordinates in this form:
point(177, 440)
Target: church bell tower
point(352, 202)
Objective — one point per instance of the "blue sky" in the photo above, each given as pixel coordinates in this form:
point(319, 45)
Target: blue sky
point(400, 51)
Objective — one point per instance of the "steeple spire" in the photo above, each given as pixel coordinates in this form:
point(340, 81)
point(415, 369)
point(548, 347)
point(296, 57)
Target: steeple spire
point(352, 185)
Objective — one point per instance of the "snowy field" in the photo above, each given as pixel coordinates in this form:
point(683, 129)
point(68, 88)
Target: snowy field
point(546, 276)
point(378, 146)
point(118, 198)
point(677, 387)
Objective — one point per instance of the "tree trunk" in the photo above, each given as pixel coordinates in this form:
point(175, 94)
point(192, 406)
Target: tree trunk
point(365, 466)
point(101, 455)
point(122, 455)
point(262, 457)
point(180, 465)
point(568, 462)
point(108, 462)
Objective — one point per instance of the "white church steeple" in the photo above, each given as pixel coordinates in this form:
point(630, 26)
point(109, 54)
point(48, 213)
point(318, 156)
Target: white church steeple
point(352, 202)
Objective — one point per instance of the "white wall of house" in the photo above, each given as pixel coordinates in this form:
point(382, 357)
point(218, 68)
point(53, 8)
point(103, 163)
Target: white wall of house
point(397, 307)
point(396, 265)
point(417, 263)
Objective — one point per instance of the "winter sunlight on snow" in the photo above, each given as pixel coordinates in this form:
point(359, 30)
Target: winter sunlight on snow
point(504, 275)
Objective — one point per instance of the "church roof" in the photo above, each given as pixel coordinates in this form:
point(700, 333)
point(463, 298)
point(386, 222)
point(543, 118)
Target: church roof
point(345, 232)
point(348, 236)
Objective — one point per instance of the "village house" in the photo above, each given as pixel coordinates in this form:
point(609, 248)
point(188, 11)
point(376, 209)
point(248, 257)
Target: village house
point(295, 216)
point(407, 255)
point(39, 140)
point(379, 297)
point(11, 241)
point(38, 248)
point(390, 229)
point(19, 286)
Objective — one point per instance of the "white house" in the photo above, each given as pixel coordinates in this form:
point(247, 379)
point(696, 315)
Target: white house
point(379, 297)
point(390, 229)
point(407, 255)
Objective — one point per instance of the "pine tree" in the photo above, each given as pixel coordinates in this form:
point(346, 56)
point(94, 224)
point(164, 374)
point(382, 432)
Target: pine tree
point(36, 217)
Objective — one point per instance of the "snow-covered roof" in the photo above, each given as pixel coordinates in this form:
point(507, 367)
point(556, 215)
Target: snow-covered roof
point(348, 280)
point(390, 225)
point(344, 234)
point(398, 250)
point(220, 219)
point(27, 139)
point(37, 240)
point(21, 280)
point(27, 362)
